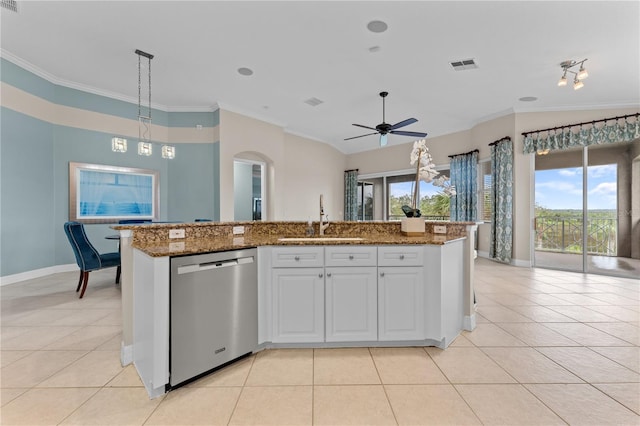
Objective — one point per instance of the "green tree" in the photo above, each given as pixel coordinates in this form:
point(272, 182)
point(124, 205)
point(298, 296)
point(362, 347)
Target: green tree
point(436, 205)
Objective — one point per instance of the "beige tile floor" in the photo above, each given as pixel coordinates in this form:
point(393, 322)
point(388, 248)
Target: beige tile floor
point(550, 347)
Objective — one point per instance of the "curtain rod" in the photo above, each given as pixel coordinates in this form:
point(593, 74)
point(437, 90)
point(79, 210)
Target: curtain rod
point(466, 153)
point(506, 138)
point(637, 114)
point(352, 170)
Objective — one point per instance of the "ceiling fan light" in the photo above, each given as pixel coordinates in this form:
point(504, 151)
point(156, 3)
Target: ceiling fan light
point(383, 140)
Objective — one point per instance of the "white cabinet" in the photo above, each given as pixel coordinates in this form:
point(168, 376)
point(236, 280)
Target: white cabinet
point(400, 293)
point(297, 285)
point(351, 304)
point(400, 303)
point(401, 256)
point(298, 305)
point(351, 288)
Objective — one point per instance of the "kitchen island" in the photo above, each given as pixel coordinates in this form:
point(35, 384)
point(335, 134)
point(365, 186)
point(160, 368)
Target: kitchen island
point(363, 284)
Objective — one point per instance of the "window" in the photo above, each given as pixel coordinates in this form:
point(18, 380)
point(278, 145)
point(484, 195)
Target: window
point(365, 201)
point(485, 207)
point(382, 198)
point(398, 194)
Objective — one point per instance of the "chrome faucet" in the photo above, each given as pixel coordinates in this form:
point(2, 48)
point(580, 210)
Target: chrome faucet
point(323, 225)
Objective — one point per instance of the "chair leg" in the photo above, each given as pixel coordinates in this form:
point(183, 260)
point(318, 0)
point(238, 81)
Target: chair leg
point(80, 281)
point(84, 284)
point(118, 274)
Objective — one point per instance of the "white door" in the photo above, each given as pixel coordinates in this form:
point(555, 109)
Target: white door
point(298, 304)
point(400, 303)
point(351, 304)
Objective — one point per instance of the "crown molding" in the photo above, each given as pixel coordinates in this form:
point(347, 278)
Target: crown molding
point(95, 91)
point(623, 105)
point(249, 113)
point(490, 117)
point(201, 108)
point(303, 135)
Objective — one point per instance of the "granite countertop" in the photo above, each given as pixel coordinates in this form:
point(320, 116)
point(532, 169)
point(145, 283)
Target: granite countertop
point(181, 247)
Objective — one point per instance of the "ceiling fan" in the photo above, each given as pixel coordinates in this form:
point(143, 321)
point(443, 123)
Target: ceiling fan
point(385, 128)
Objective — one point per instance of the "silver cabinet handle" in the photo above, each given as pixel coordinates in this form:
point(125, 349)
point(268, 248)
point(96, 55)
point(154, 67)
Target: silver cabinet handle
point(328, 274)
point(402, 257)
point(319, 275)
point(350, 257)
point(297, 258)
point(382, 274)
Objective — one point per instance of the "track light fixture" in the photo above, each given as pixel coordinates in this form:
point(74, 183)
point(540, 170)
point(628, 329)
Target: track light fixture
point(580, 75)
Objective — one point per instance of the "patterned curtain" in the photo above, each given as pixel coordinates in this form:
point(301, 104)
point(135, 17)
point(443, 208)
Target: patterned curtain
point(565, 138)
point(351, 195)
point(464, 177)
point(501, 242)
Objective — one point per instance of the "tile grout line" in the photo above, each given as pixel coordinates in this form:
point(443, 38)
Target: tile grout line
point(384, 389)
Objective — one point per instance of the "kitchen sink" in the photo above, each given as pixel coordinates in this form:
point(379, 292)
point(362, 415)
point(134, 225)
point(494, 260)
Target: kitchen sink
point(302, 239)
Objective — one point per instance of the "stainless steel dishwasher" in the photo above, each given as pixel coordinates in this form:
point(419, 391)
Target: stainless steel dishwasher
point(214, 311)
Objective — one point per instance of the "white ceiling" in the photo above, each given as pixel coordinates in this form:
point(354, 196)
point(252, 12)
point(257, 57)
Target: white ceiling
point(301, 49)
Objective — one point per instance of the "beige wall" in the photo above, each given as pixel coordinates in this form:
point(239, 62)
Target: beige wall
point(298, 169)
point(302, 169)
point(396, 158)
point(241, 134)
point(312, 168)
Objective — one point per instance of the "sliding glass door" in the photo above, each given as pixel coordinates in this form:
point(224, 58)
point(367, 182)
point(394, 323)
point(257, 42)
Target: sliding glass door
point(584, 215)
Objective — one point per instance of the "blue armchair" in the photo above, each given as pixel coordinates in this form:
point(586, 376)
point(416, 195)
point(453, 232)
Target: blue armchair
point(87, 256)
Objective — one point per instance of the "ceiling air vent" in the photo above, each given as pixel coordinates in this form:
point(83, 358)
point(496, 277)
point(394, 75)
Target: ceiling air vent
point(10, 4)
point(464, 64)
point(313, 102)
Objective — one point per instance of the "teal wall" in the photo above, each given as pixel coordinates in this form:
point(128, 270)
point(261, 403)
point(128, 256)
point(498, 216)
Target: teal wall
point(192, 183)
point(26, 219)
point(34, 172)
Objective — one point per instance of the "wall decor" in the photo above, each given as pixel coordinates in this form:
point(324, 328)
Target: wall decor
point(107, 194)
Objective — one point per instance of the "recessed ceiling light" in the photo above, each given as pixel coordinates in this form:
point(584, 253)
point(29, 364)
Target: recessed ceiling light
point(245, 71)
point(377, 26)
point(528, 99)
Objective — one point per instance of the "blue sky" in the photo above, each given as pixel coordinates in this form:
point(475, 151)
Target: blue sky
point(401, 188)
point(562, 188)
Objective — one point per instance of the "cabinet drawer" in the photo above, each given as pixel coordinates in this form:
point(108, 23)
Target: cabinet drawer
point(297, 257)
point(350, 256)
point(400, 256)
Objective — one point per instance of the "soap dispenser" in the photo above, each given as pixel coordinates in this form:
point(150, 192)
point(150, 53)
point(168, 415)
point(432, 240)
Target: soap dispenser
point(310, 230)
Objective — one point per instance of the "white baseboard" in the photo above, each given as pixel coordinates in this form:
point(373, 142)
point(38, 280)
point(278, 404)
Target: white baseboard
point(126, 354)
point(514, 262)
point(469, 322)
point(37, 273)
point(521, 263)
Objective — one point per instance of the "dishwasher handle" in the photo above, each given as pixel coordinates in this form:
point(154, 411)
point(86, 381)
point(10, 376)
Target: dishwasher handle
point(217, 264)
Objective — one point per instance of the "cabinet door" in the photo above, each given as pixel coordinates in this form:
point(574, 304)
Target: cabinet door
point(298, 305)
point(351, 304)
point(400, 303)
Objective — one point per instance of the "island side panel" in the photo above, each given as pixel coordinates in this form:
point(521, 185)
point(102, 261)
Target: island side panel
point(469, 292)
point(453, 286)
point(151, 321)
point(126, 290)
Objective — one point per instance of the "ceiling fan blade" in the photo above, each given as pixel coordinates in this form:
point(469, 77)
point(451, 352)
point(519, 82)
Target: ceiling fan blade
point(361, 136)
point(365, 127)
point(403, 123)
point(403, 133)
